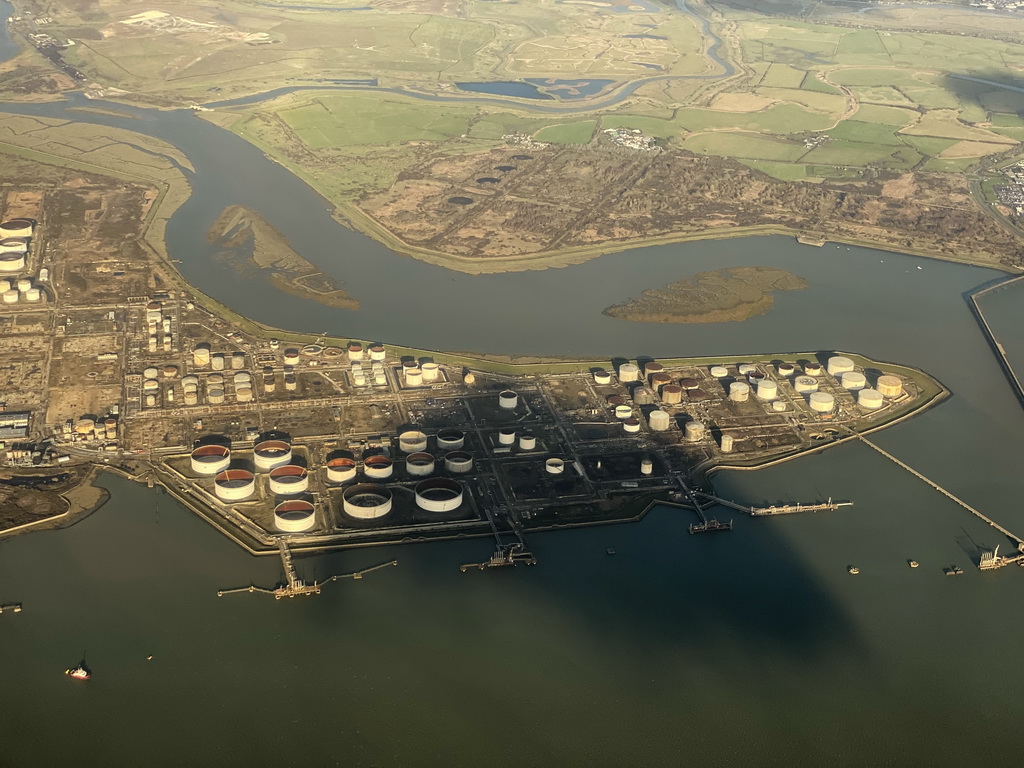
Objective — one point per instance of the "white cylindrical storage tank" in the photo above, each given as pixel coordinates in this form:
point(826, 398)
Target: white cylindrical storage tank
point(646, 466)
point(291, 356)
point(821, 402)
point(419, 464)
point(458, 462)
point(412, 441)
point(242, 379)
point(12, 262)
point(33, 294)
point(377, 352)
point(355, 351)
point(839, 364)
point(508, 399)
point(11, 296)
point(217, 362)
point(17, 228)
point(380, 379)
point(805, 384)
point(431, 371)
point(290, 382)
point(631, 425)
point(5, 285)
point(889, 386)
point(745, 369)
point(294, 516)
point(14, 245)
point(234, 484)
point(169, 371)
point(602, 376)
point(341, 469)
point(439, 495)
point(767, 389)
point(270, 454)
point(210, 459)
point(215, 380)
point(719, 371)
point(554, 466)
point(191, 397)
point(527, 442)
point(778, 406)
point(378, 467)
point(366, 501)
point(150, 373)
point(507, 437)
point(727, 441)
point(785, 369)
point(451, 439)
point(414, 377)
point(237, 361)
point(215, 395)
point(694, 431)
point(289, 480)
point(812, 369)
point(150, 385)
point(854, 380)
point(659, 421)
point(201, 355)
point(739, 391)
point(653, 367)
point(623, 411)
point(628, 372)
point(671, 394)
point(870, 399)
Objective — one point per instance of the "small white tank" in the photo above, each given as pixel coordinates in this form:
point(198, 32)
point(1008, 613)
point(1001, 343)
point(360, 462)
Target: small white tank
point(242, 379)
point(11, 296)
point(767, 390)
point(508, 399)
point(151, 401)
point(24, 284)
point(805, 384)
point(602, 377)
point(659, 421)
point(739, 391)
point(727, 441)
point(889, 386)
point(150, 385)
point(527, 442)
point(646, 466)
point(694, 431)
point(785, 369)
point(217, 362)
point(745, 369)
point(243, 394)
point(237, 361)
point(839, 364)
point(150, 373)
point(821, 402)
point(507, 437)
point(33, 295)
point(628, 372)
point(191, 397)
point(623, 411)
point(554, 466)
point(870, 399)
point(854, 380)
point(631, 425)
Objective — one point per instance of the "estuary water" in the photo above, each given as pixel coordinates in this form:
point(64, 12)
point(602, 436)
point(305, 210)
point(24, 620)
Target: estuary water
point(754, 647)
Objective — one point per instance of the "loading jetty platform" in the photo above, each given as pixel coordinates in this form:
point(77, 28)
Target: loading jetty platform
point(777, 509)
point(510, 548)
point(294, 586)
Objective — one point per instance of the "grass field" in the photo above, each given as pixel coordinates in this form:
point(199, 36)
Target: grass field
point(568, 133)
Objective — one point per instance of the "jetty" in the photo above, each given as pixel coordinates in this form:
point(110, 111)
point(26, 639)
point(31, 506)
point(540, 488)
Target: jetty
point(992, 339)
point(510, 550)
point(294, 586)
point(777, 509)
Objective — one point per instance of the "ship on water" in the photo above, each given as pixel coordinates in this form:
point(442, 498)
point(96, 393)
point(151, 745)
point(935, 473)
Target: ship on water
point(81, 672)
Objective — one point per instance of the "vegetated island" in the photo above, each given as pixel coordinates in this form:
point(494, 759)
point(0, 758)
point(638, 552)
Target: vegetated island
point(726, 295)
point(250, 242)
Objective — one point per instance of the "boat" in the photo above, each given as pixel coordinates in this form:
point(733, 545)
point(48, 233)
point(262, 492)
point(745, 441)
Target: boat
point(953, 570)
point(913, 563)
point(81, 672)
point(610, 550)
point(853, 569)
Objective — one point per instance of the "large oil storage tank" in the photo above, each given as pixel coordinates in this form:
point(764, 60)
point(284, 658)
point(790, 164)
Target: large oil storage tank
point(889, 386)
point(643, 396)
point(838, 364)
point(439, 495)
point(414, 377)
point(210, 459)
point(431, 371)
point(458, 462)
point(659, 421)
point(215, 395)
point(237, 361)
point(217, 361)
point(234, 484)
point(378, 467)
point(17, 228)
point(719, 371)
point(33, 295)
point(628, 372)
point(739, 391)
point(659, 381)
point(377, 352)
point(215, 380)
point(341, 469)
point(554, 466)
point(694, 431)
point(805, 384)
point(812, 369)
point(450, 439)
point(419, 464)
point(870, 399)
point(631, 425)
point(652, 368)
point(785, 369)
point(150, 373)
point(412, 441)
point(366, 501)
point(12, 262)
point(508, 399)
point(745, 369)
point(14, 245)
point(672, 394)
point(767, 390)
point(355, 351)
point(289, 480)
point(821, 402)
point(854, 380)
point(688, 382)
point(201, 355)
point(294, 516)
point(11, 296)
point(506, 436)
point(243, 394)
point(270, 454)
point(602, 376)
point(623, 411)
point(527, 442)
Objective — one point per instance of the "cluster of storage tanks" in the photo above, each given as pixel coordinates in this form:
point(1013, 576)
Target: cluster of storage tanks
point(15, 236)
point(158, 327)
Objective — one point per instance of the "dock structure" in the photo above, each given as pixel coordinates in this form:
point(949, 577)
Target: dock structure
point(507, 553)
point(706, 524)
point(294, 586)
point(990, 336)
point(1017, 540)
point(777, 509)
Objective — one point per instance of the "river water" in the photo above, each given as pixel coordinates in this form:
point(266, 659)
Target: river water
point(750, 648)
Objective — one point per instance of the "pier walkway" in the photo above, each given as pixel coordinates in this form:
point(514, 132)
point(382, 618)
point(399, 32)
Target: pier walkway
point(1017, 540)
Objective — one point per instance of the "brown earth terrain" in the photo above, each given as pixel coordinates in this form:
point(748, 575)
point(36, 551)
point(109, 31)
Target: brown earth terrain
point(724, 295)
point(251, 243)
point(509, 202)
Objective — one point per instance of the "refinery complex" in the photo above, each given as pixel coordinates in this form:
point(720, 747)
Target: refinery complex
point(324, 442)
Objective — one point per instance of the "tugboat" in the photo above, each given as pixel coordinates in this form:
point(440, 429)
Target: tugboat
point(953, 570)
point(81, 672)
point(913, 563)
point(853, 569)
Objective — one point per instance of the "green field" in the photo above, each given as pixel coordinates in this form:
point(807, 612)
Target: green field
point(744, 145)
point(568, 133)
